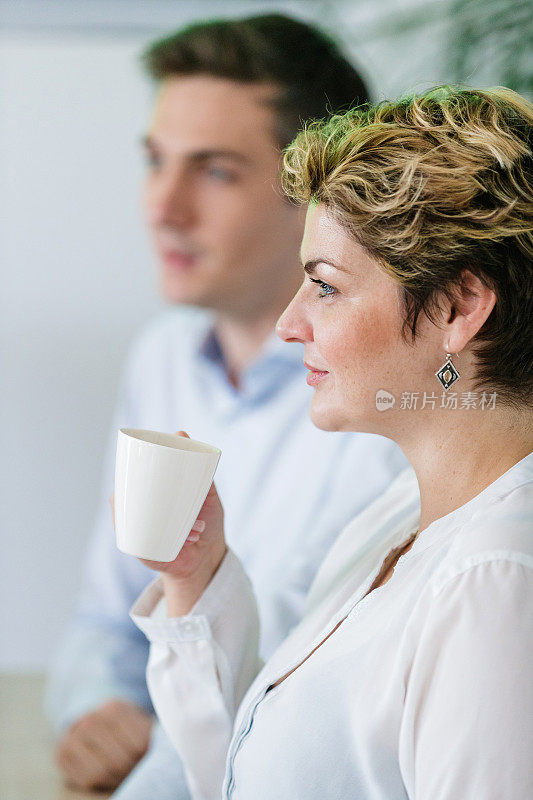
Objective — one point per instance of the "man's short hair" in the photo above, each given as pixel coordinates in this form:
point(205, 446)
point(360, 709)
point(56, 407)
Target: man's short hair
point(312, 76)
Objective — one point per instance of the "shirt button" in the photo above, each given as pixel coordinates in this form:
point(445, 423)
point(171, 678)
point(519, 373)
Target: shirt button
point(188, 627)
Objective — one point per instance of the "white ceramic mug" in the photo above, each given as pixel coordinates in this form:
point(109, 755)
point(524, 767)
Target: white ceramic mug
point(161, 482)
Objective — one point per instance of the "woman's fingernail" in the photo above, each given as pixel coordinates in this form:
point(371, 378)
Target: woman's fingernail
point(199, 526)
point(192, 537)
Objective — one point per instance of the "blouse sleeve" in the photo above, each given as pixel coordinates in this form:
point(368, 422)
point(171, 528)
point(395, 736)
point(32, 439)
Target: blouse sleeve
point(467, 729)
point(199, 669)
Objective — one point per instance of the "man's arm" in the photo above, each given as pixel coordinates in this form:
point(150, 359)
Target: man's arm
point(101, 748)
point(97, 694)
point(158, 775)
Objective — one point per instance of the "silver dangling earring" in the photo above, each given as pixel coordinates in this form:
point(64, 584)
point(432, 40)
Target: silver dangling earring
point(447, 374)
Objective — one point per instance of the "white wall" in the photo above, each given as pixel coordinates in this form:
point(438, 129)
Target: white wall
point(77, 276)
point(76, 282)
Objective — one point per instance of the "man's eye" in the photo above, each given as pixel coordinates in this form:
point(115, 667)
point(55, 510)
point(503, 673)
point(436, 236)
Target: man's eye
point(220, 174)
point(153, 160)
point(326, 288)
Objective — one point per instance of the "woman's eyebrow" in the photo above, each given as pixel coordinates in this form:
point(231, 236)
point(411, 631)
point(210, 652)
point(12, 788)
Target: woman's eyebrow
point(310, 266)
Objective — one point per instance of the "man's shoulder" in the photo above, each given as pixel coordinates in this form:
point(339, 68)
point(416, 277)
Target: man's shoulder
point(365, 540)
point(391, 508)
point(169, 334)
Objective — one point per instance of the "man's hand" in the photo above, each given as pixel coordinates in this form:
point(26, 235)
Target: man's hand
point(101, 748)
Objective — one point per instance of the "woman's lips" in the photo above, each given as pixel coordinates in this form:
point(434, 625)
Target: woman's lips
point(314, 375)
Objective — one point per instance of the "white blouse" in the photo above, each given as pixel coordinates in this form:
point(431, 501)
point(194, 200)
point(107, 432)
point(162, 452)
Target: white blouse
point(424, 691)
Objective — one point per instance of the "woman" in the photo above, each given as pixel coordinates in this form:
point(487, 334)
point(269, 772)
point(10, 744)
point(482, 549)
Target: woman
point(410, 677)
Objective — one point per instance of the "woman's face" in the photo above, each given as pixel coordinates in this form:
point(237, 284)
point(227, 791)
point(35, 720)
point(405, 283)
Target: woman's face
point(348, 313)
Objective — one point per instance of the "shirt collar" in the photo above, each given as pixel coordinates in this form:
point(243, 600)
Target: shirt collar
point(273, 349)
point(272, 368)
point(518, 475)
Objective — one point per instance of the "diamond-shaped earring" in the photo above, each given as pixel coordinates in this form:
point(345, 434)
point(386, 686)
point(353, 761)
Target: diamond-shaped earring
point(447, 374)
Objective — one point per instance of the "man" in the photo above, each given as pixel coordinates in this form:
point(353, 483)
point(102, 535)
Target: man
point(231, 95)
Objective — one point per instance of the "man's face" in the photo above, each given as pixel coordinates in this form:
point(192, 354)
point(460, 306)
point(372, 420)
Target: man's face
point(225, 236)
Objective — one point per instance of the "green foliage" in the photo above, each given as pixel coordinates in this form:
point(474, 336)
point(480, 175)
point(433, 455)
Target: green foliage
point(500, 30)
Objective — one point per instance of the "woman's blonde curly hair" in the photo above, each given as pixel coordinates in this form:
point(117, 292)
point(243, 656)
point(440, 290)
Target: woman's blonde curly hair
point(433, 185)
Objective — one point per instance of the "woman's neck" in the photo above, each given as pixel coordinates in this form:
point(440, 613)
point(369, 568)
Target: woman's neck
point(457, 460)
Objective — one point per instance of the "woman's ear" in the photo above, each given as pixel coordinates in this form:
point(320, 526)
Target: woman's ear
point(472, 304)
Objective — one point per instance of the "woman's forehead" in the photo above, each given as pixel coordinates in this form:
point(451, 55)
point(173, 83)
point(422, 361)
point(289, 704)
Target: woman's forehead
point(325, 238)
point(322, 232)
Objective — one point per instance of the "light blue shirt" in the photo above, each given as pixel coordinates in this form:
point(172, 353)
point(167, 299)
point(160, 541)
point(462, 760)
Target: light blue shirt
point(287, 489)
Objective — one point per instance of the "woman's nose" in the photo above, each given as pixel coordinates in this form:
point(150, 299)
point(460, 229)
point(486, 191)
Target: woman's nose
point(294, 325)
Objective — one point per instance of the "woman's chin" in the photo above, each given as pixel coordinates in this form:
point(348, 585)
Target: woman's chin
point(325, 418)
point(336, 419)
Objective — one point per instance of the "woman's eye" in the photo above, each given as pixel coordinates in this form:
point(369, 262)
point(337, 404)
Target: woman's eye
point(325, 287)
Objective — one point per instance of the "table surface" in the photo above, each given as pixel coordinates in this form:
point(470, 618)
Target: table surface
point(27, 770)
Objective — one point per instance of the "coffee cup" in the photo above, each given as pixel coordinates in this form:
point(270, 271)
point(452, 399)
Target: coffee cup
point(161, 482)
